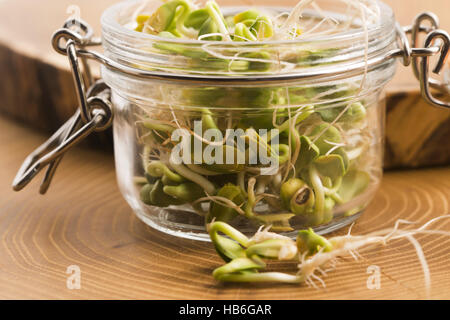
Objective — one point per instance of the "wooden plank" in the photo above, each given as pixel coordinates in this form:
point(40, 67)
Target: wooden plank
point(417, 135)
point(39, 89)
point(84, 221)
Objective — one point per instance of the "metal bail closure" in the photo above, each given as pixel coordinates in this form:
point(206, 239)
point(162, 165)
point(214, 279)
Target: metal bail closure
point(94, 112)
point(424, 77)
point(421, 56)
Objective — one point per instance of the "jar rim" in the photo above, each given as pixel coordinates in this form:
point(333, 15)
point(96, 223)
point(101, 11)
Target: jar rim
point(339, 55)
point(109, 22)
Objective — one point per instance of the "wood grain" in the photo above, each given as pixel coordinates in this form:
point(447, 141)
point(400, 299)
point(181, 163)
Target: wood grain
point(39, 89)
point(84, 221)
point(417, 135)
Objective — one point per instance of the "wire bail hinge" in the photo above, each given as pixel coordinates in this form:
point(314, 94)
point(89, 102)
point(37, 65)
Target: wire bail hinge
point(93, 115)
point(419, 58)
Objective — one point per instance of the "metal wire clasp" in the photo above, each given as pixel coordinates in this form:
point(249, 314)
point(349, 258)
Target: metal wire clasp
point(94, 112)
point(419, 58)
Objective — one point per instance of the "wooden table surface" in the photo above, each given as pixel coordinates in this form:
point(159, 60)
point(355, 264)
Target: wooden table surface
point(84, 221)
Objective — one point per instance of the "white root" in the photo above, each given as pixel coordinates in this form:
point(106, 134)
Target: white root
point(264, 234)
point(295, 14)
point(349, 245)
point(192, 176)
point(423, 263)
point(222, 201)
point(214, 51)
point(313, 268)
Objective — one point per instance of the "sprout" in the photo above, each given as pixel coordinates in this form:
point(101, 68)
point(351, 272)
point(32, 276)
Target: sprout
point(353, 184)
point(141, 20)
point(186, 192)
point(308, 153)
point(209, 27)
point(355, 113)
point(330, 166)
point(238, 266)
point(250, 25)
point(281, 249)
point(196, 19)
point(325, 137)
point(302, 202)
point(158, 169)
point(289, 189)
point(311, 243)
point(276, 222)
point(169, 17)
point(243, 33)
point(263, 28)
point(284, 153)
point(159, 198)
point(145, 194)
point(249, 15)
point(227, 248)
point(220, 212)
point(218, 18)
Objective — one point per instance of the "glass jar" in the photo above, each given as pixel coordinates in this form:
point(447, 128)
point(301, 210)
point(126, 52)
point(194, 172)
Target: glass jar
point(286, 133)
point(329, 130)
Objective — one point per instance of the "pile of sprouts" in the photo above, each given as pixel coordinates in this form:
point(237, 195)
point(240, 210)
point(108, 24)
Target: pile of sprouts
point(186, 19)
point(326, 162)
point(315, 255)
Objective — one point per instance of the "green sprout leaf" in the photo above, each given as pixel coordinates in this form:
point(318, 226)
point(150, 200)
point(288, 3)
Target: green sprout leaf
point(160, 199)
point(227, 248)
point(246, 15)
point(308, 153)
point(209, 27)
point(329, 136)
point(145, 194)
point(356, 112)
point(310, 242)
point(186, 192)
point(243, 33)
point(262, 27)
point(332, 166)
point(237, 265)
point(353, 184)
point(158, 169)
point(223, 213)
point(162, 18)
point(197, 18)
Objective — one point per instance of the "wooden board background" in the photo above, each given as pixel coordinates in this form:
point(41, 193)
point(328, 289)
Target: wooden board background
point(84, 221)
point(37, 89)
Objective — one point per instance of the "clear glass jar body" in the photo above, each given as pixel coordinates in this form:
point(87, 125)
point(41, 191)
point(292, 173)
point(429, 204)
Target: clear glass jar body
point(317, 144)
